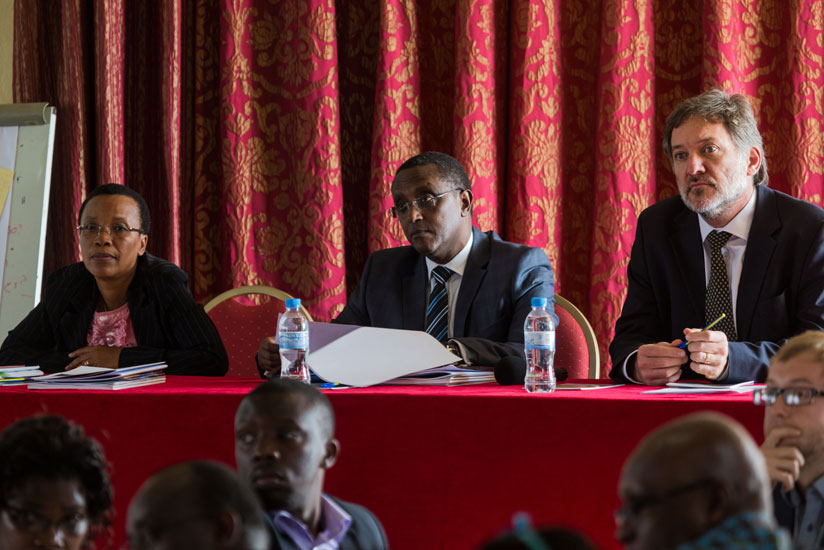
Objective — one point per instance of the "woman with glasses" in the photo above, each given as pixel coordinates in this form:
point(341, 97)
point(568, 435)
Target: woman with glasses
point(120, 306)
point(54, 486)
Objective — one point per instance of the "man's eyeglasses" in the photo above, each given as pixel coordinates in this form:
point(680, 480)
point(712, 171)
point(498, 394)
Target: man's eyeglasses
point(118, 231)
point(27, 520)
point(793, 397)
point(633, 508)
point(425, 202)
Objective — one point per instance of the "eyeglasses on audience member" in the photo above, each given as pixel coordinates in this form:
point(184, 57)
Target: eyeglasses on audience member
point(793, 397)
point(633, 508)
point(28, 520)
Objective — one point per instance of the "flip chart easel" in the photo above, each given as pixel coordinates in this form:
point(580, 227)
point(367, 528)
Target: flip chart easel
point(26, 147)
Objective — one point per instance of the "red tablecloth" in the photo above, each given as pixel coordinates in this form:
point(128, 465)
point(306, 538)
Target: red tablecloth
point(441, 467)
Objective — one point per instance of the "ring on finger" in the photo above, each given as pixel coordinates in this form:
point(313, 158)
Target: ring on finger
point(706, 357)
point(86, 363)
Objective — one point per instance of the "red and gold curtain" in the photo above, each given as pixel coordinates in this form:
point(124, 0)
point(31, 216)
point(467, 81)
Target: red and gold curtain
point(265, 133)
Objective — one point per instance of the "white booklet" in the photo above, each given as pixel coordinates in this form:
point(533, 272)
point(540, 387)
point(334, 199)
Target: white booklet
point(365, 356)
point(145, 379)
point(707, 387)
point(98, 374)
point(20, 372)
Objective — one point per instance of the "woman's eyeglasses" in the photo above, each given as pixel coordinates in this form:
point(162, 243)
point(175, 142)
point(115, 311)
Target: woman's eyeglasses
point(118, 231)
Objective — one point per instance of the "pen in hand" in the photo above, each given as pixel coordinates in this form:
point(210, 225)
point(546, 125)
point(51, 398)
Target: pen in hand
point(683, 345)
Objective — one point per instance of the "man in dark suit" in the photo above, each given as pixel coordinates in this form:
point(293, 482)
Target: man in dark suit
point(489, 283)
point(794, 437)
point(727, 244)
point(284, 443)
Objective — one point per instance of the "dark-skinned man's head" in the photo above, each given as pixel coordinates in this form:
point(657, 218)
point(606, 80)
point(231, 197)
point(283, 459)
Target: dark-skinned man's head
point(199, 504)
point(687, 477)
point(284, 443)
point(433, 203)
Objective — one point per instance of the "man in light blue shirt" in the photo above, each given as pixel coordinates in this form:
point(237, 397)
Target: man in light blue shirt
point(284, 443)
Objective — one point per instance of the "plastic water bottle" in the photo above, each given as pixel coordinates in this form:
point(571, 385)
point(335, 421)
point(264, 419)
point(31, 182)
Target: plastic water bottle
point(293, 340)
point(539, 348)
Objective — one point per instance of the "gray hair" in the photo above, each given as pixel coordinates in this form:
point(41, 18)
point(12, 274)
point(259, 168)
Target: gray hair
point(733, 111)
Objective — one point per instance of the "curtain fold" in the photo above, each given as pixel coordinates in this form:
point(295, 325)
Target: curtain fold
point(265, 133)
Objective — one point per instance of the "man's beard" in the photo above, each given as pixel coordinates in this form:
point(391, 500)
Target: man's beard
point(716, 206)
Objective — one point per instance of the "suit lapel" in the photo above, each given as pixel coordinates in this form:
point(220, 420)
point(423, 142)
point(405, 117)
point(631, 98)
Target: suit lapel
point(473, 276)
point(414, 296)
point(761, 244)
point(688, 252)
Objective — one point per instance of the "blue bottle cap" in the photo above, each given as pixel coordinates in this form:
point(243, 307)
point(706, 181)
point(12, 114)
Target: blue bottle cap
point(538, 302)
point(294, 303)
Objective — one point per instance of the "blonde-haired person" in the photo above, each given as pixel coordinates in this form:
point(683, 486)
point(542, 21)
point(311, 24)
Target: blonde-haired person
point(794, 437)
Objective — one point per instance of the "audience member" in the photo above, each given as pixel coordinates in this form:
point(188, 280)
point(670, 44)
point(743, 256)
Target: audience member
point(697, 482)
point(54, 486)
point(728, 244)
point(200, 505)
point(469, 289)
point(524, 537)
point(284, 443)
point(794, 437)
point(120, 306)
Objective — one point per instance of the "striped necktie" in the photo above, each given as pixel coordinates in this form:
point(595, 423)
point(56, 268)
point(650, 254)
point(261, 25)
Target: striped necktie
point(718, 299)
point(437, 314)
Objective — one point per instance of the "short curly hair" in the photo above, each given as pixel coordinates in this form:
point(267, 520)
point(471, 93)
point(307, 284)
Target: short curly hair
point(51, 447)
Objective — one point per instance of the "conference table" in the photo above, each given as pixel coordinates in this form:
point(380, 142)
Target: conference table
point(443, 468)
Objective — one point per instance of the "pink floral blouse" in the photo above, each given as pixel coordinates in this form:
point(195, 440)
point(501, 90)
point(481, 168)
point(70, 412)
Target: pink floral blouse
point(112, 328)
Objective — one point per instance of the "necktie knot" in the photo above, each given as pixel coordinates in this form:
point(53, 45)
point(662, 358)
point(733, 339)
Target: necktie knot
point(442, 274)
point(718, 239)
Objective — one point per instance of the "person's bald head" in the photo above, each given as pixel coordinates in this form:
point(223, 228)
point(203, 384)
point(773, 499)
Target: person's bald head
point(199, 504)
point(686, 477)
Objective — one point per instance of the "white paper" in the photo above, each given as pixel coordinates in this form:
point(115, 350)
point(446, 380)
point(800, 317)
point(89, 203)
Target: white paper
point(365, 356)
point(699, 388)
point(717, 387)
point(77, 371)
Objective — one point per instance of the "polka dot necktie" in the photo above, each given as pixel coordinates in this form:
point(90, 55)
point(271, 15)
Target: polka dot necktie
point(719, 298)
point(437, 314)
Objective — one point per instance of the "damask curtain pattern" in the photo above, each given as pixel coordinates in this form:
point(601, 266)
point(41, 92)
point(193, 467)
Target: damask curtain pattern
point(265, 133)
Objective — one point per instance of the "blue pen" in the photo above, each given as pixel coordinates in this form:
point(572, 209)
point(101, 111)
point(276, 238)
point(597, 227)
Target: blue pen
point(683, 345)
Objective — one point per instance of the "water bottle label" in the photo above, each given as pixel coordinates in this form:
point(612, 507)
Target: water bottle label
point(539, 340)
point(294, 340)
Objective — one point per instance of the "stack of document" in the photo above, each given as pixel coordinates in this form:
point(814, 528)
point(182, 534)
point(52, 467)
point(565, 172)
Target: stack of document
point(449, 375)
point(15, 376)
point(707, 387)
point(100, 378)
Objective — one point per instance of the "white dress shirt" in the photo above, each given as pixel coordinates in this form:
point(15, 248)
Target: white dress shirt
point(733, 252)
point(453, 285)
